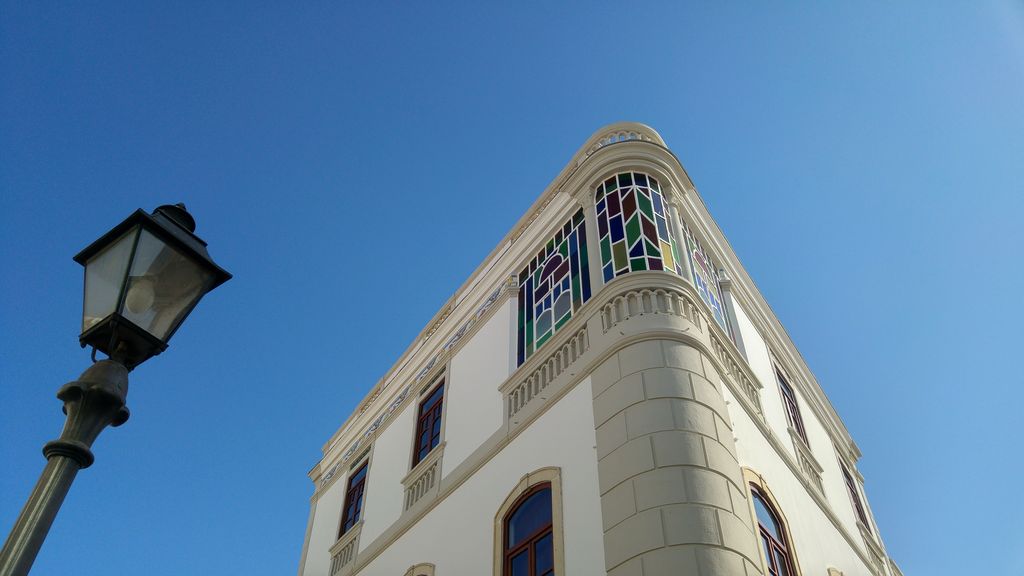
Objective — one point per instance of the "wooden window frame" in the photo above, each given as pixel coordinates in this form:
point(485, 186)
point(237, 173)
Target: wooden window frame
point(789, 400)
point(851, 489)
point(529, 542)
point(547, 475)
point(435, 415)
point(768, 541)
point(756, 484)
point(354, 496)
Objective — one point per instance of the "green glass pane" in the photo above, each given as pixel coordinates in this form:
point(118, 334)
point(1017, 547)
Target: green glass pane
point(543, 339)
point(563, 249)
point(637, 264)
point(675, 255)
point(645, 205)
point(652, 250)
point(619, 250)
point(550, 247)
point(633, 229)
point(562, 322)
point(606, 251)
point(576, 290)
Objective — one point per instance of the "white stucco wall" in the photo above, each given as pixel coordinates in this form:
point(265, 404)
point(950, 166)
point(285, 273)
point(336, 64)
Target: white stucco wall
point(457, 535)
point(474, 404)
point(817, 543)
point(391, 459)
point(324, 533)
point(817, 437)
point(760, 362)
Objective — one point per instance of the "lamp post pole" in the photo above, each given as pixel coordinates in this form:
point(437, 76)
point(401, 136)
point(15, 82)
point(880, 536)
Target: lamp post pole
point(93, 402)
point(142, 279)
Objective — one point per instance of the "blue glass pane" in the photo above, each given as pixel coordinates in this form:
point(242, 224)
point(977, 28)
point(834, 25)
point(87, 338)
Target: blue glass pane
point(616, 224)
point(521, 564)
point(544, 556)
point(359, 475)
point(435, 397)
point(531, 515)
point(662, 228)
point(766, 519)
point(641, 180)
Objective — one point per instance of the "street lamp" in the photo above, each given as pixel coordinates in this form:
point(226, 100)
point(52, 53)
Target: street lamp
point(142, 279)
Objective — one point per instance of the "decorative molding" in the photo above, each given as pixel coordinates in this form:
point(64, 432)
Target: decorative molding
point(461, 332)
point(424, 478)
point(752, 477)
point(737, 371)
point(617, 135)
point(648, 301)
point(808, 463)
point(344, 551)
point(424, 569)
point(553, 476)
point(538, 379)
point(376, 424)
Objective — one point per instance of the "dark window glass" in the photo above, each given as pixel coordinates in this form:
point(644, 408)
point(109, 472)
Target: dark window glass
point(529, 545)
point(353, 499)
point(776, 553)
point(851, 487)
point(428, 425)
point(544, 556)
point(792, 408)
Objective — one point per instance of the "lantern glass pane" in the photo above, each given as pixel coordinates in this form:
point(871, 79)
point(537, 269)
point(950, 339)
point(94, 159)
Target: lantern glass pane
point(104, 277)
point(163, 285)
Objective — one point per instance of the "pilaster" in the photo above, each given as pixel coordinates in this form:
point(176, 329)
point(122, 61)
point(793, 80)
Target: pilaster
point(674, 199)
point(584, 198)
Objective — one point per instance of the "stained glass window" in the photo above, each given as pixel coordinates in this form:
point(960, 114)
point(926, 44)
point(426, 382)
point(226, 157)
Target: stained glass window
point(633, 226)
point(705, 278)
point(553, 286)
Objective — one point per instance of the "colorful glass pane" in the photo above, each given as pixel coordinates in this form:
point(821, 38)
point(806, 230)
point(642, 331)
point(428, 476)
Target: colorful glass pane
point(633, 226)
point(705, 278)
point(553, 286)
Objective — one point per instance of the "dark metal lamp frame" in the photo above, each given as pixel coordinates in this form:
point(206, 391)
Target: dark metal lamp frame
point(97, 399)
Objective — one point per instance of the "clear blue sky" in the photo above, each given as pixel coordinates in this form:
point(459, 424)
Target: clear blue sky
point(352, 164)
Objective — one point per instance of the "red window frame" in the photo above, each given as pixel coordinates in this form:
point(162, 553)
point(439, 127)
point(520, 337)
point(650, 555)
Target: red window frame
point(792, 408)
point(428, 423)
point(858, 506)
point(776, 552)
point(353, 509)
point(529, 542)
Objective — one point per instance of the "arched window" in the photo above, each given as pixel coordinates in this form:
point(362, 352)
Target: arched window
point(528, 535)
point(773, 536)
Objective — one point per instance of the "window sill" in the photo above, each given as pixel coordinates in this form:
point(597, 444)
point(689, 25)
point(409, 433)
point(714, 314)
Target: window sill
point(343, 552)
point(424, 480)
point(433, 456)
point(808, 463)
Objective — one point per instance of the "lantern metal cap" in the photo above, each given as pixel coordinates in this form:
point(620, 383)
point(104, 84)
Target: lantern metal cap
point(172, 223)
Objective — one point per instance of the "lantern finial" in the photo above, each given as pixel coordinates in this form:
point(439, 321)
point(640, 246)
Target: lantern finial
point(179, 215)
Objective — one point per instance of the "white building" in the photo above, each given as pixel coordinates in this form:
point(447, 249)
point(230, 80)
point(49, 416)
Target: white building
point(608, 393)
